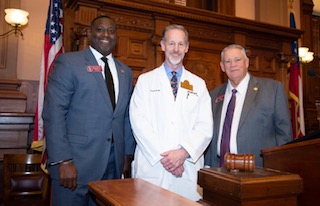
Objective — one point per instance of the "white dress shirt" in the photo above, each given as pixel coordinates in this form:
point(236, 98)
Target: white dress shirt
point(240, 96)
point(112, 67)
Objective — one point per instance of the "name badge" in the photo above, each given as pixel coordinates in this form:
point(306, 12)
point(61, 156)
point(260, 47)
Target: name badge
point(186, 85)
point(219, 99)
point(95, 68)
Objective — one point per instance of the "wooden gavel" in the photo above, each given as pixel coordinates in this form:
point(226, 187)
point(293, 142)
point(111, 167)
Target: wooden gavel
point(244, 162)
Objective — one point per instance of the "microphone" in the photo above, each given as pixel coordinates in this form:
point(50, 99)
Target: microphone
point(313, 73)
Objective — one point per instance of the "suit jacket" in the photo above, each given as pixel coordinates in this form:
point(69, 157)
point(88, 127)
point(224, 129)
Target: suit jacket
point(264, 122)
point(79, 120)
point(161, 124)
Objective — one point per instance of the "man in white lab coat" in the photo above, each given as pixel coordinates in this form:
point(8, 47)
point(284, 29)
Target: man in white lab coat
point(172, 126)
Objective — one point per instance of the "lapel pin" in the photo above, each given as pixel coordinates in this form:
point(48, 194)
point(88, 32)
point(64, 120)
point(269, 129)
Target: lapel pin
point(255, 88)
point(219, 99)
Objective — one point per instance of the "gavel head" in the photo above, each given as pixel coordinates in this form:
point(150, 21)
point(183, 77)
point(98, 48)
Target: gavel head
point(243, 162)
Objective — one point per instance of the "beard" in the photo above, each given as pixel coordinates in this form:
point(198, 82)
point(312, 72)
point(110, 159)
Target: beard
point(175, 61)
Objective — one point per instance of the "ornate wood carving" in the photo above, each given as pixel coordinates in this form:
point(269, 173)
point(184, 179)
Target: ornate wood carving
point(311, 84)
point(140, 25)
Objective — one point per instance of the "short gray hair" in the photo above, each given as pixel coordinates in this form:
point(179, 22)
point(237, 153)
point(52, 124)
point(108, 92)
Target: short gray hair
point(175, 26)
point(234, 46)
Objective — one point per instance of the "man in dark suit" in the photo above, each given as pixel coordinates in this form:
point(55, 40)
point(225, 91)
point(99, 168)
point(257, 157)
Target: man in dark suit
point(261, 115)
point(87, 137)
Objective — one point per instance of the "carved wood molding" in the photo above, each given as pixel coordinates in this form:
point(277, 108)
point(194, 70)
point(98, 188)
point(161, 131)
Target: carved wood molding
point(191, 14)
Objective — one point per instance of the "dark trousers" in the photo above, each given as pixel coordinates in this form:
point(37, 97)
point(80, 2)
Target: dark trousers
point(81, 195)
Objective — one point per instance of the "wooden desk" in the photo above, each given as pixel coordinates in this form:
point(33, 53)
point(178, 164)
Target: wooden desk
point(301, 158)
point(135, 192)
point(263, 187)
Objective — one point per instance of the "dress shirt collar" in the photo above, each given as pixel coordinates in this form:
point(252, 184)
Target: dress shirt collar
point(98, 55)
point(168, 71)
point(242, 87)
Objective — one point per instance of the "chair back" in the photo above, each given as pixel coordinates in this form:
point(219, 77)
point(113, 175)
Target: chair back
point(24, 179)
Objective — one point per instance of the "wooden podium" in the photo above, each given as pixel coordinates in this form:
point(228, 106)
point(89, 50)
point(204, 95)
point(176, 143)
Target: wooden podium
point(302, 158)
point(261, 187)
point(135, 192)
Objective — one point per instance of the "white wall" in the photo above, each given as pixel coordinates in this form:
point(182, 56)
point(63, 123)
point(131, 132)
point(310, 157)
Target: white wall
point(245, 9)
point(30, 48)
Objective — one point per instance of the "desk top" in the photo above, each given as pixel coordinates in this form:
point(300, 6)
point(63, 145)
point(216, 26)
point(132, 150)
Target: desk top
point(135, 192)
point(259, 175)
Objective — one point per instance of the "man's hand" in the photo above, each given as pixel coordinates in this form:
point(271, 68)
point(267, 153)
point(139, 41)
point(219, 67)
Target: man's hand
point(127, 166)
point(178, 172)
point(173, 161)
point(68, 175)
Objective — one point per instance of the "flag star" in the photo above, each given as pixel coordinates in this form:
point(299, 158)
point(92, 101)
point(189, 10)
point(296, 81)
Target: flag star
point(53, 31)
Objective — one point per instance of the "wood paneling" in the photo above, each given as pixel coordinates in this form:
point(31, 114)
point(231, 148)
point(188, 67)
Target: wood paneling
point(302, 158)
point(140, 26)
point(262, 186)
point(311, 84)
point(15, 123)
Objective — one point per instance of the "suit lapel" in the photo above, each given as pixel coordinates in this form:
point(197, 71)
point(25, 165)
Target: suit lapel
point(219, 103)
point(183, 92)
point(251, 94)
point(90, 60)
point(122, 81)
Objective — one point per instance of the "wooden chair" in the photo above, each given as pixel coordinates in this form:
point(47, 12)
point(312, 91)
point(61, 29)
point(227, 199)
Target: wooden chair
point(25, 183)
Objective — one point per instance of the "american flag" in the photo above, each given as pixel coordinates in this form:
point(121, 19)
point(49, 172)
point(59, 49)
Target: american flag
point(295, 89)
point(53, 46)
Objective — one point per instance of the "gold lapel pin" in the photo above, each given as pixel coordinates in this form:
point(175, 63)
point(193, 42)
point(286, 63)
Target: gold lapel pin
point(255, 88)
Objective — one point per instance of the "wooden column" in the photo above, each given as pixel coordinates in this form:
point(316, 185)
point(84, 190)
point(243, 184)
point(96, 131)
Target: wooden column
point(311, 83)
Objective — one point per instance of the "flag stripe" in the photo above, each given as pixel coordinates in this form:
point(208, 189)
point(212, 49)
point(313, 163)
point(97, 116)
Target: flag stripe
point(295, 89)
point(53, 46)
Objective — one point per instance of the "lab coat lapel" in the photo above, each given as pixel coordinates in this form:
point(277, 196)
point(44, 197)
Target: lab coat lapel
point(165, 85)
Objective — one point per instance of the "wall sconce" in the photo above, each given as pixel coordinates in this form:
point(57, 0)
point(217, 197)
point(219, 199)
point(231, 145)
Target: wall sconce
point(305, 55)
point(16, 18)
